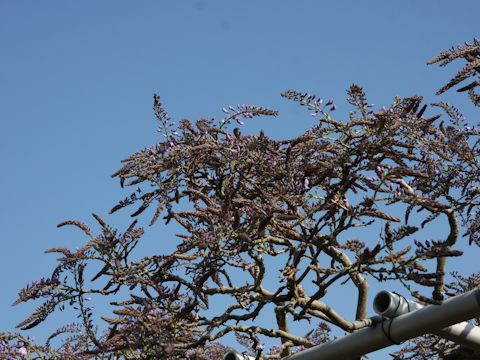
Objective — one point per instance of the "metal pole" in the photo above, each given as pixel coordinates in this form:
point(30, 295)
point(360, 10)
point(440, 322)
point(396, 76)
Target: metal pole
point(233, 355)
point(390, 331)
point(391, 305)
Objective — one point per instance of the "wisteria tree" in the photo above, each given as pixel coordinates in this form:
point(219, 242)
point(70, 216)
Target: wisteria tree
point(252, 209)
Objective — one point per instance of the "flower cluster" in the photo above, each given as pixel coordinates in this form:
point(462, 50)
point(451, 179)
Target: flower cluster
point(244, 112)
point(166, 123)
point(312, 102)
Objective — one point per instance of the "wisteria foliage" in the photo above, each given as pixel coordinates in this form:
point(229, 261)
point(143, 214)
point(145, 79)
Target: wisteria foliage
point(243, 200)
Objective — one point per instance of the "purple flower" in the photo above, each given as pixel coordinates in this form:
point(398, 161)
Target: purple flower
point(225, 110)
point(333, 108)
point(329, 102)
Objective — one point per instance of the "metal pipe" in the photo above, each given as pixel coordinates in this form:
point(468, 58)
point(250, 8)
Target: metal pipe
point(391, 305)
point(391, 331)
point(233, 355)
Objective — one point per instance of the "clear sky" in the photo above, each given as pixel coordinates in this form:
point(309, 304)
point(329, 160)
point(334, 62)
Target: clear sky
point(77, 78)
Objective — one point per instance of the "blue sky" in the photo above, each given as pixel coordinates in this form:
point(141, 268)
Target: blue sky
point(77, 78)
